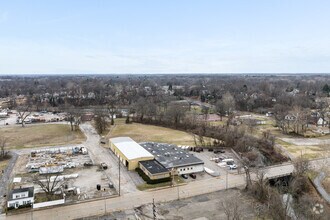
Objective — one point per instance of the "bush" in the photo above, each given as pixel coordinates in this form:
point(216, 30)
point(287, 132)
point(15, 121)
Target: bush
point(20, 207)
point(150, 181)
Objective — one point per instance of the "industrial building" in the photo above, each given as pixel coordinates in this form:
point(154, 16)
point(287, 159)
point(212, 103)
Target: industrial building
point(129, 152)
point(156, 160)
point(154, 170)
point(173, 158)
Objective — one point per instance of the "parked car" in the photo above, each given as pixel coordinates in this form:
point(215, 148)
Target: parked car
point(192, 175)
point(198, 149)
point(184, 176)
point(231, 165)
point(104, 166)
point(219, 150)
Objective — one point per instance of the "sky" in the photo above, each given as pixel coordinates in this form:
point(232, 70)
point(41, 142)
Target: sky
point(164, 36)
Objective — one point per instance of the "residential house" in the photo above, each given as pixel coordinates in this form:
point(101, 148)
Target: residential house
point(20, 197)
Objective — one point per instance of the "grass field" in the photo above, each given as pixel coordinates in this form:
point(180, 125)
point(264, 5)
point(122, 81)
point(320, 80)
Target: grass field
point(308, 151)
point(41, 135)
point(142, 132)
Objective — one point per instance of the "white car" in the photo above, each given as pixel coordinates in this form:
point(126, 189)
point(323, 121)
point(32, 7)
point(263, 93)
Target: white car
point(231, 165)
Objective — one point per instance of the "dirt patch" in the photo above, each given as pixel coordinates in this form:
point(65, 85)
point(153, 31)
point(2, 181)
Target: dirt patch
point(19, 167)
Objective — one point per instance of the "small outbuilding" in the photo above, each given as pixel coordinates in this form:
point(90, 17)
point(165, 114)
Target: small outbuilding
point(129, 152)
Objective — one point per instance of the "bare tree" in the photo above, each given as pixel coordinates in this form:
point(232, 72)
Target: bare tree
point(101, 123)
point(73, 116)
point(176, 112)
point(226, 105)
point(23, 111)
point(112, 110)
point(232, 209)
point(49, 184)
point(302, 165)
point(141, 108)
point(3, 142)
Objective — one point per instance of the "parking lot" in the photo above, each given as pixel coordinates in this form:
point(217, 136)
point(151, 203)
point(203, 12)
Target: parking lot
point(211, 164)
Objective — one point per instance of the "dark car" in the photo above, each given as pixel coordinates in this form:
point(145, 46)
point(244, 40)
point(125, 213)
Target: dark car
point(184, 176)
point(219, 150)
point(192, 175)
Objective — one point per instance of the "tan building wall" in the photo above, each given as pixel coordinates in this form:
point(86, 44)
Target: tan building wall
point(154, 176)
point(131, 164)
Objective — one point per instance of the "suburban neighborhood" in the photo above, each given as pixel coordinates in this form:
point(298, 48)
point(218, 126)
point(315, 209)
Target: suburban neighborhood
point(164, 110)
point(120, 158)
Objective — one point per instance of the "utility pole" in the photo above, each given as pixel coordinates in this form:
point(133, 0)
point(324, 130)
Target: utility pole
point(119, 175)
point(154, 209)
point(105, 206)
point(226, 179)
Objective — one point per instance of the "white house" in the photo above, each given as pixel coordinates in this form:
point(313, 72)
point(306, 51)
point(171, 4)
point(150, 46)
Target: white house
point(21, 196)
point(321, 122)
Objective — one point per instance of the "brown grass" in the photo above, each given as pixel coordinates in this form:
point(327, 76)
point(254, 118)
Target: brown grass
point(3, 165)
point(141, 133)
point(41, 135)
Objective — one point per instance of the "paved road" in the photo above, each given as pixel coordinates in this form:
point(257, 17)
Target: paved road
point(6, 177)
point(131, 200)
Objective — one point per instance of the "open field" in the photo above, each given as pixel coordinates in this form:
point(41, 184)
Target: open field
point(41, 135)
point(308, 151)
point(144, 133)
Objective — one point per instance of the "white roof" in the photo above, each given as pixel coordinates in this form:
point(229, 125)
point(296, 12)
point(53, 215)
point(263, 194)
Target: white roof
point(130, 148)
point(17, 180)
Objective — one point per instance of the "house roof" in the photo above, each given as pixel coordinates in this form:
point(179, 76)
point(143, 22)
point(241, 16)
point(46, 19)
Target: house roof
point(153, 166)
point(20, 190)
point(130, 148)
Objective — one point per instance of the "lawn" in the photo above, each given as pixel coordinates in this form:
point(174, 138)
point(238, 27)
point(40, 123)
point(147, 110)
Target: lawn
point(144, 133)
point(145, 186)
point(41, 135)
point(308, 151)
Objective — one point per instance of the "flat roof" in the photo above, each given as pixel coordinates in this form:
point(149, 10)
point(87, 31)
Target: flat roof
point(130, 148)
point(154, 167)
point(170, 156)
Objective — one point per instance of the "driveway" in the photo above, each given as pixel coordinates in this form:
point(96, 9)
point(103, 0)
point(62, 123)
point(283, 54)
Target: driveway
point(100, 154)
point(4, 181)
